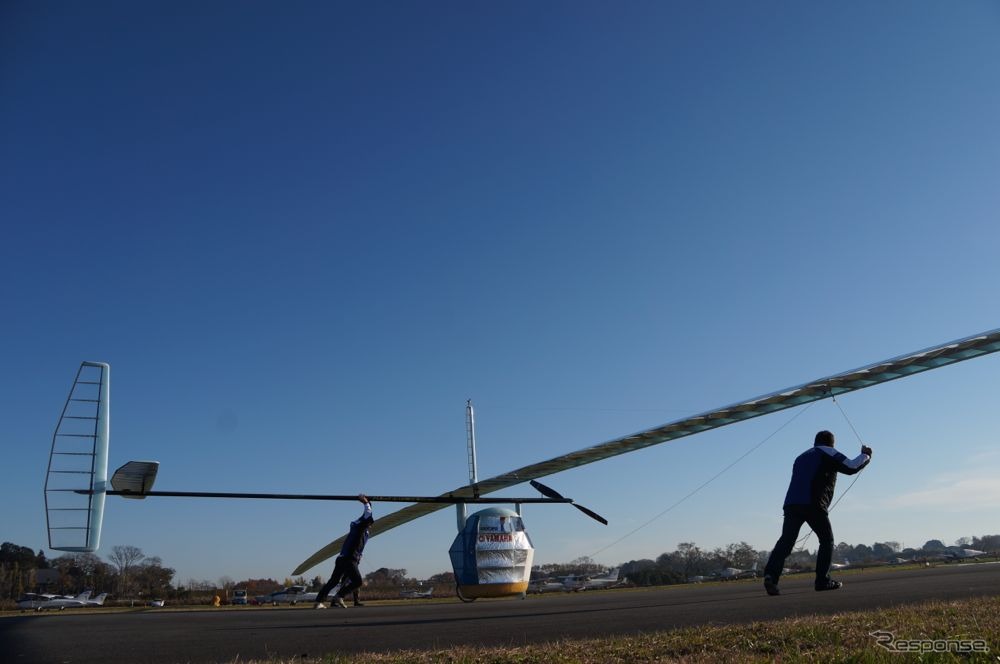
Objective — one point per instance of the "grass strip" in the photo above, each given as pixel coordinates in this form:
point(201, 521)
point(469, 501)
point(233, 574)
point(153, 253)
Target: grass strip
point(843, 637)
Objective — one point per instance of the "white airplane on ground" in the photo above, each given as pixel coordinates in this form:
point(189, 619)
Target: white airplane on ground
point(843, 565)
point(80, 601)
point(97, 601)
point(964, 554)
point(291, 595)
point(545, 586)
point(417, 594)
point(607, 580)
point(34, 600)
point(733, 573)
point(610, 579)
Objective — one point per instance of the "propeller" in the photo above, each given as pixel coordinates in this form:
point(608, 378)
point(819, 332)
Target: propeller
point(549, 492)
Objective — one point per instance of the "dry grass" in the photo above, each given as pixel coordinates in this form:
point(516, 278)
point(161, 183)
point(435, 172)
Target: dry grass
point(844, 637)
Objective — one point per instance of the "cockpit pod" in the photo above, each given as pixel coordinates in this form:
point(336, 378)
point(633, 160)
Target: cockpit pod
point(492, 555)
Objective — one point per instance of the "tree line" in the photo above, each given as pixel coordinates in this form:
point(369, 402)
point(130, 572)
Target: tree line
point(128, 572)
point(689, 560)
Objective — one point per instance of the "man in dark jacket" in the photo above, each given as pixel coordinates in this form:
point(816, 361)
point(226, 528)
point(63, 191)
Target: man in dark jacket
point(345, 570)
point(814, 476)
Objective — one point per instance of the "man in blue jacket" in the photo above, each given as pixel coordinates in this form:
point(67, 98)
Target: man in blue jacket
point(345, 570)
point(814, 476)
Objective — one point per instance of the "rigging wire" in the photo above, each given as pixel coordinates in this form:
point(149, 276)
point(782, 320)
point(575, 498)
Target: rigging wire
point(706, 482)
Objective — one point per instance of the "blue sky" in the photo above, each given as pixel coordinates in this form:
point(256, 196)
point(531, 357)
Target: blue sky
point(303, 234)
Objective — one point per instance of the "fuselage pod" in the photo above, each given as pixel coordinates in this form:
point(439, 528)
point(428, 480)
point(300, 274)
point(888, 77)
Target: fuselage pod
point(492, 555)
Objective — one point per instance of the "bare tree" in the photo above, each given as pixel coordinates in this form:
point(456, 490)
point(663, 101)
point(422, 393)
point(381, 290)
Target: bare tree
point(124, 557)
point(227, 584)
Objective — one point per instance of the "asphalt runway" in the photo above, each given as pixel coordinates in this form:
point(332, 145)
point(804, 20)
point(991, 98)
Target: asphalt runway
point(226, 635)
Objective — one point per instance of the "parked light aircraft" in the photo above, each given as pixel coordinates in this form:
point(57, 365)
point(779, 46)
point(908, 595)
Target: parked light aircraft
point(843, 565)
point(417, 594)
point(34, 600)
point(584, 582)
point(290, 595)
point(546, 586)
point(734, 573)
point(75, 506)
point(80, 601)
point(576, 582)
point(964, 554)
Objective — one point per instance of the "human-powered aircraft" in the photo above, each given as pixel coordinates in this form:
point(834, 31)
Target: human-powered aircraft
point(77, 483)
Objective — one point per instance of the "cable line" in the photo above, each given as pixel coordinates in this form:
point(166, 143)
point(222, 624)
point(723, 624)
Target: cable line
point(706, 482)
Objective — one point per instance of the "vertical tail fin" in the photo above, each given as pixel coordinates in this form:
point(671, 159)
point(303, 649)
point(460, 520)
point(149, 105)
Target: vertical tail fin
point(77, 476)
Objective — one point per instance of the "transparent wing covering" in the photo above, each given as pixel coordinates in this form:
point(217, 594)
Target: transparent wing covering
point(78, 463)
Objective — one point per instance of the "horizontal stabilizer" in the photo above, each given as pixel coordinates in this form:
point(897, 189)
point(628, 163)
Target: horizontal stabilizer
point(135, 477)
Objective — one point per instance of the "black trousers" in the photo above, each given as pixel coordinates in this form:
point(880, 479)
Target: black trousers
point(344, 570)
point(819, 521)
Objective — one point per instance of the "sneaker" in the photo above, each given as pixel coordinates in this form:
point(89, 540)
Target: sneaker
point(359, 604)
point(829, 585)
point(770, 586)
point(320, 605)
point(339, 603)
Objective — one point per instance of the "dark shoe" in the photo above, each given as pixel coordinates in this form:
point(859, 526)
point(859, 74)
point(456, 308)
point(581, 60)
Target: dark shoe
point(770, 586)
point(829, 585)
point(359, 604)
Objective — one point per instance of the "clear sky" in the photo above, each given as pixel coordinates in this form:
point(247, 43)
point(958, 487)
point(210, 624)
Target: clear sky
point(304, 233)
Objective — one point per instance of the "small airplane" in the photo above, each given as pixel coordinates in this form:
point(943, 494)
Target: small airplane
point(77, 479)
point(34, 600)
point(964, 554)
point(843, 565)
point(417, 594)
point(734, 573)
point(576, 583)
point(80, 601)
point(290, 595)
point(608, 580)
point(546, 585)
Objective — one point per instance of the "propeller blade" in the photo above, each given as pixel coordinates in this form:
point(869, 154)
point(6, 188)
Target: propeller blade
point(591, 513)
point(547, 491)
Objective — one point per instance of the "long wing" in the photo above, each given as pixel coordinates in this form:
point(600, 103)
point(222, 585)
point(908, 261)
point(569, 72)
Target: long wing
point(849, 381)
